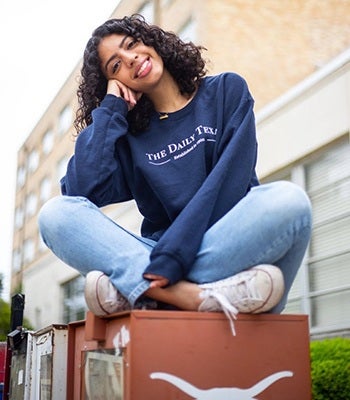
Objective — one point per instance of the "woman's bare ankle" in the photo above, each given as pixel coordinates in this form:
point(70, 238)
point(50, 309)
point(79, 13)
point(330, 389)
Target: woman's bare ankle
point(183, 295)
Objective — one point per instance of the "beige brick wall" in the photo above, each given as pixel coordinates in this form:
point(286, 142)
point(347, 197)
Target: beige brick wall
point(274, 43)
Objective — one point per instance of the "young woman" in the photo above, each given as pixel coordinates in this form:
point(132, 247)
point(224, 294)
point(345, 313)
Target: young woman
point(153, 127)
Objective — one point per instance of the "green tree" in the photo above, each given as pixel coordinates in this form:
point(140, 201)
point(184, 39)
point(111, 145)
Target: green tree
point(5, 313)
point(5, 316)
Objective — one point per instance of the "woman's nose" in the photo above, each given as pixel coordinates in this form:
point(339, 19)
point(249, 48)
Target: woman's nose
point(130, 58)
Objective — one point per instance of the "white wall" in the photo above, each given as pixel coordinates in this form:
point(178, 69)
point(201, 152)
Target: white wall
point(311, 115)
point(41, 286)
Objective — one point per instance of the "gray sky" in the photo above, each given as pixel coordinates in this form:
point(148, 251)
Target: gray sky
point(41, 43)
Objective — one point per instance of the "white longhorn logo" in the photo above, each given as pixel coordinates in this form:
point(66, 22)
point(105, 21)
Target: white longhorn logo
point(222, 393)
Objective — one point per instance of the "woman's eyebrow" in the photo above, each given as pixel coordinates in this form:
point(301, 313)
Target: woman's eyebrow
point(121, 44)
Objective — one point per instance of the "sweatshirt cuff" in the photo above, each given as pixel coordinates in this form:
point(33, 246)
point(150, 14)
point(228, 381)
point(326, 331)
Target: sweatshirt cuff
point(167, 267)
point(115, 103)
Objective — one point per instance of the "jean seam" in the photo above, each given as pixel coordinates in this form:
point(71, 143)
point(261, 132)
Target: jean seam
point(137, 292)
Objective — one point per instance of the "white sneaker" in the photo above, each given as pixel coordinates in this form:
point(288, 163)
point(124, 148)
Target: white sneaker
point(101, 297)
point(253, 291)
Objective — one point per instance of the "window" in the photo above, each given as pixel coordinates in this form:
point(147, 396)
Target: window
point(16, 260)
point(147, 10)
point(322, 286)
point(166, 3)
point(62, 167)
point(65, 120)
point(188, 32)
point(328, 185)
point(31, 204)
point(48, 142)
point(28, 251)
point(21, 177)
point(19, 217)
point(45, 189)
point(74, 307)
point(33, 161)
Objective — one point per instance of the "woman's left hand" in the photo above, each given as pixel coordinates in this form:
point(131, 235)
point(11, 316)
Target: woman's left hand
point(157, 281)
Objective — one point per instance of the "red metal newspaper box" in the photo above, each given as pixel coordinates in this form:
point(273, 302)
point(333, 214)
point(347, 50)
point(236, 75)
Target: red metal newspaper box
point(3, 349)
point(165, 355)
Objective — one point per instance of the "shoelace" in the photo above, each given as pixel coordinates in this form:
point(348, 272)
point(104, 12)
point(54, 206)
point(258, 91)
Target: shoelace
point(229, 310)
point(248, 291)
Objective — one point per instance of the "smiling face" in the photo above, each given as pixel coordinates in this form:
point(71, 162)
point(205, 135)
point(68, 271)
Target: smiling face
point(131, 62)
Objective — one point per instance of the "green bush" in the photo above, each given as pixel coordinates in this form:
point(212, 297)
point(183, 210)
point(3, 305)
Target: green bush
point(5, 313)
point(5, 320)
point(330, 369)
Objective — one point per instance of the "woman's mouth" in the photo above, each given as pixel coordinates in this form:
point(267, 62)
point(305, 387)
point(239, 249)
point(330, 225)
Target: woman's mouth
point(144, 69)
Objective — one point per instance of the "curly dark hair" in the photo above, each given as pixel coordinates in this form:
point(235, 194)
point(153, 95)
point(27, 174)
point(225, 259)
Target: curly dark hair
point(183, 61)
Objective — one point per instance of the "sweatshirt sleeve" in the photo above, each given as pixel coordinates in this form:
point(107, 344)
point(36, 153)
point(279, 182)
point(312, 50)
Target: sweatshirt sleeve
point(94, 170)
point(228, 182)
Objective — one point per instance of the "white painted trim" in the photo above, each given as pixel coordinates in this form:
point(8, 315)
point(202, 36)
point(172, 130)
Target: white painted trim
point(337, 63)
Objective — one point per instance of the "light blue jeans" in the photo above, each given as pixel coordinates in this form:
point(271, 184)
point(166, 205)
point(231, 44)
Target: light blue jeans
point(270, 225)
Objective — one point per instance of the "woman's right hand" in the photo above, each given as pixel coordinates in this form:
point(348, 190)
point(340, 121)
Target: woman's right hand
point(118, 89)
point(156, 280)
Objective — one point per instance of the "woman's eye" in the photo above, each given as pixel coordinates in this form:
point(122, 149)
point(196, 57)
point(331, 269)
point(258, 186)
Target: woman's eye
point(132, 43)
point(115, 67)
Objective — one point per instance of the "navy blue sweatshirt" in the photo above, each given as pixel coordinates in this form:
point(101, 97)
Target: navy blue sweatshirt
point(184, 172)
